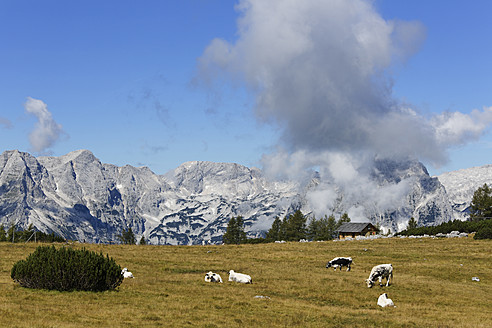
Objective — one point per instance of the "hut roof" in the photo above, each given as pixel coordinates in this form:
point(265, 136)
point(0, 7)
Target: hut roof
point(354, 226)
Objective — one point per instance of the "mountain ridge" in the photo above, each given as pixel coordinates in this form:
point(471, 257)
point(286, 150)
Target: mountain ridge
point(80, 198)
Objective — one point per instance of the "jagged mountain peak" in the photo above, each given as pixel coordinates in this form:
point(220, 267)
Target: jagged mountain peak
point(78, 197)
point(78, 156)
point(208, 177)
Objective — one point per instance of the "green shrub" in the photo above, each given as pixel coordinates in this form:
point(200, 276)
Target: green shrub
point(65, 269)
point(447, 227)
point(484, 230)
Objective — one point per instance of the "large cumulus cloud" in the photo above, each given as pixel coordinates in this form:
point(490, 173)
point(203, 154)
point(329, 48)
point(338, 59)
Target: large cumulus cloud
point(320, 69)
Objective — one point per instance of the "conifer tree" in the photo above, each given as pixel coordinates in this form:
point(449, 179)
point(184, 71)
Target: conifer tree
point(235, 231)
point(142, 241)
point(275, 231)
point(313, 229)
point(295, 226)
point(127, 237)
point(3, 234)
point(412, 224)
point(322, 229)
point(481, 204)
point(343, 219)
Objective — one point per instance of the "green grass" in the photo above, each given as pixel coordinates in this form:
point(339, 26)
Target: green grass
point(430, 289)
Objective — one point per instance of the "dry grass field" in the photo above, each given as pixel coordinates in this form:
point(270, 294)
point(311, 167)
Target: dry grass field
point(432, 287)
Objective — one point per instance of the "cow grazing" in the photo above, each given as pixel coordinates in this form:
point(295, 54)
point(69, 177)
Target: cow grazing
point(213, 277)
point(384, 301)
point(126, 273)
point(340, 262)
point(240, 277)
point(380, 271)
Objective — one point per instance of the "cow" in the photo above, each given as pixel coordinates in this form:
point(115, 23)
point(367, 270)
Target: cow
point(213, 277)
point(240, 277)
point(384, 301)
point(380, 271)
point(340, 262)
point(126, 273)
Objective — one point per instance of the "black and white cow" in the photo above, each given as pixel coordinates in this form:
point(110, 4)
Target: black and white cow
point(340, 262)
point(379, 272)
point(213, 277)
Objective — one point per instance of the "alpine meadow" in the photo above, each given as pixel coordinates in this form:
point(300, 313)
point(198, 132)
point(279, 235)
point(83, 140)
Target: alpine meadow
point(246, 163)
point(432, 286)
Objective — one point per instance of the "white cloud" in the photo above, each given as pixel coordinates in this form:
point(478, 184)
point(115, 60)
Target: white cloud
point(458, 128)
point(321, 71)
point(46, 131)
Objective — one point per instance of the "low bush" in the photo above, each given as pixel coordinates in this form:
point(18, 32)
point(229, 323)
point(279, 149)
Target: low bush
point(484, 230)
point(66, 269)
point(447, 227)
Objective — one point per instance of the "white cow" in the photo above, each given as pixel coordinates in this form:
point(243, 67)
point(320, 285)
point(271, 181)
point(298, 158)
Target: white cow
point(380, 271)
point(384, 301)
point(240, 277)
point(126, 273)
point(213, 277)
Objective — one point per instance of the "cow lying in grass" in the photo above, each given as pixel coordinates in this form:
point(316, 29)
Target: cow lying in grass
point(240, 277)
point(126, 273)
point(379, 272)
point(384, 301)
point(340, 262)
point(213, 277)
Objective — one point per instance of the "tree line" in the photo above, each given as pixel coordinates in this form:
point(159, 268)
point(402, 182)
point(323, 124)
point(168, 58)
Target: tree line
point(293, 227)
point(480, 220)
point(19, 235)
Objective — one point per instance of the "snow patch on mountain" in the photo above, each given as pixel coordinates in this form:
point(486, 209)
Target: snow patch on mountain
point(460, 186)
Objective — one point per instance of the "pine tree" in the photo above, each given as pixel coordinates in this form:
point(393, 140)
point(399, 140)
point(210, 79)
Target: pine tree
point(142, 241)
point(3, 234)
point(127, 237)
point(481, 204)
point(328, 226)
point(412, 224)
point(295, 226)
point(322, 229)
point(343, 219)
point(314, 229)
point(228, 237)
point(235, 231)
point(275, 231)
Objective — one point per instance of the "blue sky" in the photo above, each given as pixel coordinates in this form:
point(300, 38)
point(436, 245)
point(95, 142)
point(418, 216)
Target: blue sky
point(123, 79)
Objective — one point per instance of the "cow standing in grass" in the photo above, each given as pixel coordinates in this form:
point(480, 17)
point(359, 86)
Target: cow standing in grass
point(340, 262)
point(379, 272)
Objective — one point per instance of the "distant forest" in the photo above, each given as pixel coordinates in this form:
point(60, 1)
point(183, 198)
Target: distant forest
point(30, 234)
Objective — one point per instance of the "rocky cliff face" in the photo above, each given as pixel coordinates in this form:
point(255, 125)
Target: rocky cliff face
point(80, 198)
point(460, 186)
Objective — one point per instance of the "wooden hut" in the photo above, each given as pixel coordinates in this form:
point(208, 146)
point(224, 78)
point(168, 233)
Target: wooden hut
point(354, 229)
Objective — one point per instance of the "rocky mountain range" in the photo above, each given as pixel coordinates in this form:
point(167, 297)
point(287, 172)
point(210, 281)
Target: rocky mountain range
point(80, 198)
